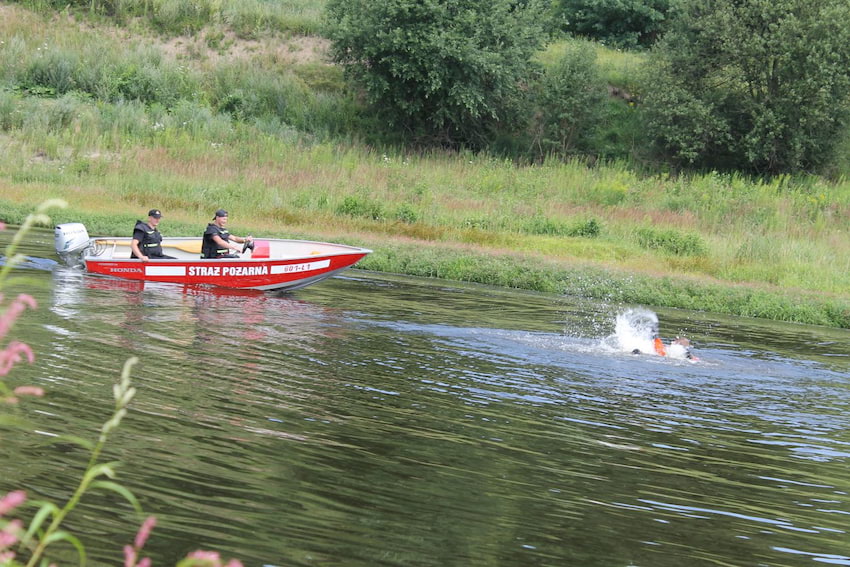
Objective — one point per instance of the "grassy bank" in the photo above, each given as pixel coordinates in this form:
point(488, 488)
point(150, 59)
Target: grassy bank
point(272, 136)
point(478, 264)
point(611, 266)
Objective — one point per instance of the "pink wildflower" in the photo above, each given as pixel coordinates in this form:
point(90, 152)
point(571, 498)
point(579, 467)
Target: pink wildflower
point(13, 354)
point(210, 559)
point(12, 501)
point(9, 537)
point(129, 556)
point(29, 391)
point(14, 310)
point(131, 553)
point(145, 532)
point(205, 555)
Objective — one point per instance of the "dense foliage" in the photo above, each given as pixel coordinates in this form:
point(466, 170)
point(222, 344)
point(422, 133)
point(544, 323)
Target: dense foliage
point(569, 99)
point(623, 23)
point(760, 86)
point(445, 71)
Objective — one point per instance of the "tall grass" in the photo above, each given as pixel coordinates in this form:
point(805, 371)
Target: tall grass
point(78, 66)
point(245, 17)
point(792, 233)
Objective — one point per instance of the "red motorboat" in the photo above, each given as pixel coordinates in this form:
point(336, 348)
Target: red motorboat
point(271, 264)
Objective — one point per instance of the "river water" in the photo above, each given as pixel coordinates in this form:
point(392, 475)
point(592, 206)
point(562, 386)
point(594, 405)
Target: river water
point(378, 420)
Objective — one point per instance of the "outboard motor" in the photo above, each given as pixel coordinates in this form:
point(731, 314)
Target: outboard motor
point(71, 241)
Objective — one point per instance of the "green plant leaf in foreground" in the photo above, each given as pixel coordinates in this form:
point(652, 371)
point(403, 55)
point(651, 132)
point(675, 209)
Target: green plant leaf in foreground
point(117, 488)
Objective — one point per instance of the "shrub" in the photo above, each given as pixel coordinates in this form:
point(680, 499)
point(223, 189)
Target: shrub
point(51, 73)
point(588, 229)
point(406, 214)
point(13, 51)
point(10, 114)
point(440, 71)
point(624, 23)
point(362, 207)
point(671, 241)
point(754, 86)
point(152, 82)
point(570, 99)
point(245, 93)
point(542, 225)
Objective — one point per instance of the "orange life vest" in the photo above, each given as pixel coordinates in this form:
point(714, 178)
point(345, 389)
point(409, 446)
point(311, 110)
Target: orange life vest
point(659, 347)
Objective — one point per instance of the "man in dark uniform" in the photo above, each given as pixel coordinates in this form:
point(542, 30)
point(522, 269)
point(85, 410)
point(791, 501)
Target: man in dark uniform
point(147, 241)
point(217, 238)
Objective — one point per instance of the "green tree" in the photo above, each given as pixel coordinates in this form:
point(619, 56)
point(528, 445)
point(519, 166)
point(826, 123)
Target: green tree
point(451, 72)
point(624, 23)
point(759, 85)
point(570, 101)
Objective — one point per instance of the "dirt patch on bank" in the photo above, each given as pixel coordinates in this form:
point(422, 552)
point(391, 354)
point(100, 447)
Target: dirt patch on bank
point(212, 47)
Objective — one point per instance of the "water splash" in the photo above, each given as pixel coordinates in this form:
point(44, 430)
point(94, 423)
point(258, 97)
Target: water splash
point(635, 331)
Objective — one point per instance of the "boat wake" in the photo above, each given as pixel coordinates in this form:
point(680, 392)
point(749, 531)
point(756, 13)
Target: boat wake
point(633, 330)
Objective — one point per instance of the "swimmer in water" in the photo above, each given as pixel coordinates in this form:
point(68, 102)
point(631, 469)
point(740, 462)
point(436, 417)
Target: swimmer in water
point(680, 347)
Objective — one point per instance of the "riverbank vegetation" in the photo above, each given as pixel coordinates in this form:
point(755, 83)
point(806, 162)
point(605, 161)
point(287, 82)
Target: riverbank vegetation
point(120, 111)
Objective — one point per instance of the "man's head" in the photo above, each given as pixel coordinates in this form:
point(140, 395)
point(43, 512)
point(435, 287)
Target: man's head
point(153, 217)
point(220, 217)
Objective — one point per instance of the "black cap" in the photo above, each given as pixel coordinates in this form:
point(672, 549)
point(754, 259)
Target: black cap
point(220, 213)
point(154, 213)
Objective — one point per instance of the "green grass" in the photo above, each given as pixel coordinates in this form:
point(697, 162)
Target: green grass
point(247, 18)
point(619, 68)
